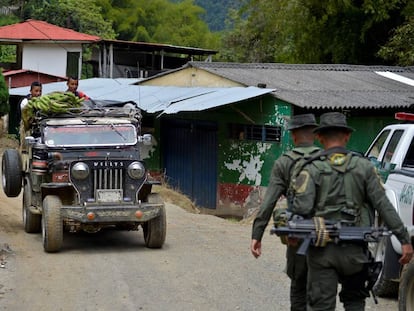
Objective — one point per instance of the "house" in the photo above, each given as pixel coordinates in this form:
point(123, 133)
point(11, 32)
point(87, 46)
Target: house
point(43, 47)
point(368, 95)
point(58, 52)
point(127, 59)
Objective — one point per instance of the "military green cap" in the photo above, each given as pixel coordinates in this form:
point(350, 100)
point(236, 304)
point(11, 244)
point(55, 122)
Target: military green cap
point(333, 120)
point(302, 120)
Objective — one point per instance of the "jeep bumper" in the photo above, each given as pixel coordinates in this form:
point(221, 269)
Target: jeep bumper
point(113, 213)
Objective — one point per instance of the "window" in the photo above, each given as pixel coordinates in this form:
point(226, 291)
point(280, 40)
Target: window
point(409, 157)
point(72, 69)
point(376, 148)
point(255, 132)
point(392, 145)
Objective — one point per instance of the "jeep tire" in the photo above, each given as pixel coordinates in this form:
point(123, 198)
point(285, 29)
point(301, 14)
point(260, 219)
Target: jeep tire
point(31, 221)
point(52, 225)
point(406, 289)
point(11, 169)
point(155, 229)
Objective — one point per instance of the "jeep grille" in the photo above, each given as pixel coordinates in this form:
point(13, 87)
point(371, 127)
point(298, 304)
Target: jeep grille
point(106, 179)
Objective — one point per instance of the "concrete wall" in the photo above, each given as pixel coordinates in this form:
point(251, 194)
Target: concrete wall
point(48, 58)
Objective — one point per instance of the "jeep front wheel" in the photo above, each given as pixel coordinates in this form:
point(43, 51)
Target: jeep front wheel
point(156, 228)
point(11, 171)
point(52, 226)
point(31, 221)
point(406, 290)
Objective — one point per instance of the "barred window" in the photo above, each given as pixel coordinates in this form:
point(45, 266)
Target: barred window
point(262, 133)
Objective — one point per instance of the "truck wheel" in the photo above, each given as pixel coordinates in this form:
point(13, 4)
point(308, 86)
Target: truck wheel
point(31, 221)
point(406, 290)
point(11, 169)
point(52, 227)
point(156, 228)
point(384, 286)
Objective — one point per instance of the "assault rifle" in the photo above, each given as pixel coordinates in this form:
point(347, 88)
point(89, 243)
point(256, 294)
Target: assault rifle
point(319, 232)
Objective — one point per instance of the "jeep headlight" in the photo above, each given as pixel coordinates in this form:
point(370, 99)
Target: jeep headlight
point(136, 170)
point(80, 170)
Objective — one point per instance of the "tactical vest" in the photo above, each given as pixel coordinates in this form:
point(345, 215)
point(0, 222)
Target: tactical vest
point(300, 153)
point(327, 169)
point(299, 156)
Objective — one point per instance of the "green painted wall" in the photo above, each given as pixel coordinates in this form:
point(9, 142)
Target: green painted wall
point(366, 129)
point(239, 161)
point(250, 162)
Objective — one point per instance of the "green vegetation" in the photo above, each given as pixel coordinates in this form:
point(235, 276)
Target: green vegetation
point(309, 31)
point(289, 31)
point(4, 96)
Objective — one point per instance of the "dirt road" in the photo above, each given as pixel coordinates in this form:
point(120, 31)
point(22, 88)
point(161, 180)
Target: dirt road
point(204, 265)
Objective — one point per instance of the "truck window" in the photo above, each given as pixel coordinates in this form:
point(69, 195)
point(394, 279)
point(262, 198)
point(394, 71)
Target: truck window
point(377, 146)
point(392, 145)
point(409, 157)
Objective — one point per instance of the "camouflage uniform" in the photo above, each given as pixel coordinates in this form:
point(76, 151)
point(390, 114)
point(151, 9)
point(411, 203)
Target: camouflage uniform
point(342, 186)
point(278, 185)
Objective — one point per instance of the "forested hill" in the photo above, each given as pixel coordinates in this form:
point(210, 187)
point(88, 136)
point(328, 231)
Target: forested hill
point(216, 11)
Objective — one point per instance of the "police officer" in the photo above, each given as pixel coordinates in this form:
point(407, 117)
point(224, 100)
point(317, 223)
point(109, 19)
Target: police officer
point(301, 129)
point(342, 186)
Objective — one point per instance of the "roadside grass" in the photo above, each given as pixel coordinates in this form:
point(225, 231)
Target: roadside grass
point(176, 197)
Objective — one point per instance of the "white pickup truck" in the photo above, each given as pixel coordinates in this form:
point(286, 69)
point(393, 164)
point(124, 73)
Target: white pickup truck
point(393, 152)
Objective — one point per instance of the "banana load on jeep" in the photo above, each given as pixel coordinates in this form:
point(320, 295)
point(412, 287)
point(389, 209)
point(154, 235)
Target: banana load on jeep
point(81, 169)
point(52, 103)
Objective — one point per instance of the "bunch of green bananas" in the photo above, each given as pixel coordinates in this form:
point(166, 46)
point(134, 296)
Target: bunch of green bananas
point(55, 102)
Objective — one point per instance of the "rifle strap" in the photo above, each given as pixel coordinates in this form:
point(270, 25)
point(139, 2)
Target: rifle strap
point(322, 235)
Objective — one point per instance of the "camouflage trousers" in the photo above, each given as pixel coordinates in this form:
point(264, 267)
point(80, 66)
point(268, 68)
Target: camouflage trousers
point(296, 269)
point(333, 264)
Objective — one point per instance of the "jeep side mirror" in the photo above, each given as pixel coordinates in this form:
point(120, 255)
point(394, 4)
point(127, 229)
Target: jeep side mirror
point(146, 139)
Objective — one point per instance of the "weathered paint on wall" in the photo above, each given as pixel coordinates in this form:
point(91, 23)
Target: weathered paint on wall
point(249, 162)
point(246, 160)
point(243, 166)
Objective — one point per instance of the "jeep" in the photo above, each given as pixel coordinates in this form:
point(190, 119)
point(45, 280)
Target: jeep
point(82, 171)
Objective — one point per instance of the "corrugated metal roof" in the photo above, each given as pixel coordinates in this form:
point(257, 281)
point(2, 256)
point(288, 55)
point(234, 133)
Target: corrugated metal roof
point(156, 99)
point(323, 86)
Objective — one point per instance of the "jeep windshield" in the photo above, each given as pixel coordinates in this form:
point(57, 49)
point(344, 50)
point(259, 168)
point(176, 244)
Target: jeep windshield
point(90, 135)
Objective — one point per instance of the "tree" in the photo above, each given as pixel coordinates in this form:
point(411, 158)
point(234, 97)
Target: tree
point(4, 96)
point(399, 49)
point(312, 31)
point(83, 16)
point(159, 21)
